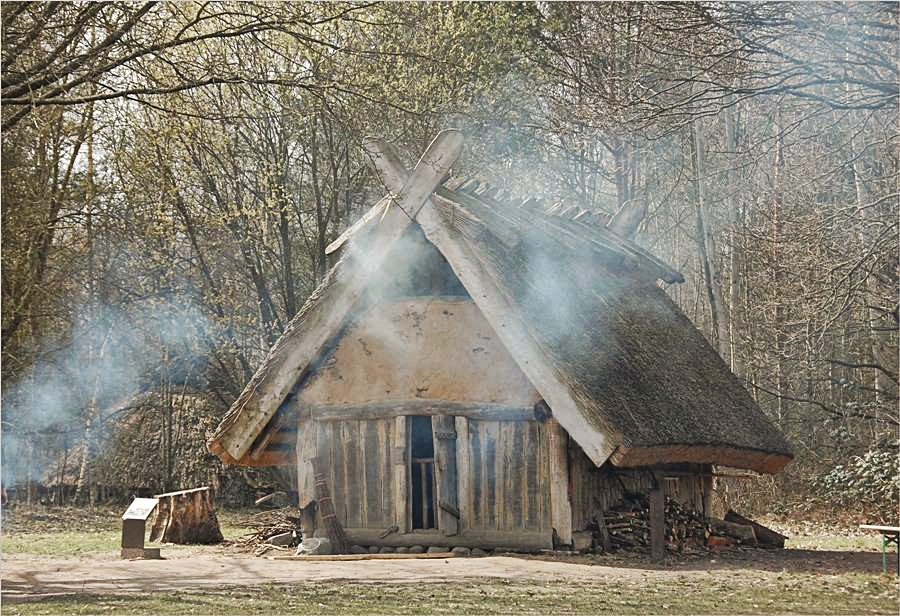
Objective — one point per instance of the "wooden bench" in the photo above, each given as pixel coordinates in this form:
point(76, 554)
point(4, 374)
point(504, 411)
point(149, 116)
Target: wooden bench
point(889, 535)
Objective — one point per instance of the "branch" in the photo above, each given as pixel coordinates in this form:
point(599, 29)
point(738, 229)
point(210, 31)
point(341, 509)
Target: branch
point(878, 367)
point(53, 76)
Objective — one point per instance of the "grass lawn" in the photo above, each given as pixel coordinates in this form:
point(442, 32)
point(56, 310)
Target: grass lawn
point(870, 542)
point(62, 544)
point(70, 531)
point(845, 594)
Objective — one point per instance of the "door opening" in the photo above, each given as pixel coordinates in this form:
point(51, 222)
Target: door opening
point(422, 473)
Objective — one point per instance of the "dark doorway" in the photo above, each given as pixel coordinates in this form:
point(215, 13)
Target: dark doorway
point(422, 472)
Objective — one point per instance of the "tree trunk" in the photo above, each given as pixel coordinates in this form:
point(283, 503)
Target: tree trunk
point(187, 516)
point(735, 257)
point(707, 250)
point(777, 316)
point(85, 481)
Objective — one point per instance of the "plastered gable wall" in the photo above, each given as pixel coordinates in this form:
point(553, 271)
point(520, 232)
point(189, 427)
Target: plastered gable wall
point(434, 348)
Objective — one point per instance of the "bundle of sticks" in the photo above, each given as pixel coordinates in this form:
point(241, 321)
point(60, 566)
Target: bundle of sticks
point(283, 517)
point(268, 524)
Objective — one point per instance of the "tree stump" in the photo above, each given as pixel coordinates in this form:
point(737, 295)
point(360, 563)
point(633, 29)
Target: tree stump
point(187, 516)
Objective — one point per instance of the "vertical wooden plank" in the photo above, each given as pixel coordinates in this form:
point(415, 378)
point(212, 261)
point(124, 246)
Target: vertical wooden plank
point(399, 453)
point(528, 487)
point(361, 475)
point(612, 489)
point(518, 499)
point(385, 471)
point(306, 450)
point(323, 445)
point(351, 473)
point(335, 474)
point(512, 458)
point(463, 477)
point(371, 496)
point(337, 471)
point(576, 482)
point(535, 483)
point(444, 429)
point(657, 524)
point(382, 500)
point(339, 496)
point(560, 508)
point(477, 474)
point(502, 492)
point(707, 485)
point(324, 451)
point(542, 447)
point(375, 511)
point(489, 474)
point(513, 497)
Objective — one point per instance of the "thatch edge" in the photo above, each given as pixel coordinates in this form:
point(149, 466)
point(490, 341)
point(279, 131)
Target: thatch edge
point(723, 455)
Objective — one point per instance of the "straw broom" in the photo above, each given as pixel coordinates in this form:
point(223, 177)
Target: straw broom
point(340, 543)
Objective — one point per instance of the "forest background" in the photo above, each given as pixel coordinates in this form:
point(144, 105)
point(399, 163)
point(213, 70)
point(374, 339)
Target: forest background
point(172, 174)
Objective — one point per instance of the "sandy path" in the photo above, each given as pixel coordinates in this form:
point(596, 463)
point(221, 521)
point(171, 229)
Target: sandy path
point(27, 577)
point(23, 579)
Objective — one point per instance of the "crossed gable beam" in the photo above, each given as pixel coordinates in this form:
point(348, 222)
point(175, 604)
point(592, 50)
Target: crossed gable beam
point(409, 199)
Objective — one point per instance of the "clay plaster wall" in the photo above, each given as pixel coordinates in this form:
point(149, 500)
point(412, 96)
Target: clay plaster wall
point(426, 347)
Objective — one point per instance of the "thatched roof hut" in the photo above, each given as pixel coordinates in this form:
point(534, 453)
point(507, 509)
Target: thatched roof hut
point(575, 308)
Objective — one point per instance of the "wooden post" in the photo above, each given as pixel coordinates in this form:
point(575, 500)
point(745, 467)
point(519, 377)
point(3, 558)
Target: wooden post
point(306, 451)
point(560, 507)
point(657, 524)
point(463, 482)
point(444, 428)
point(707, 483)
point(399, 464)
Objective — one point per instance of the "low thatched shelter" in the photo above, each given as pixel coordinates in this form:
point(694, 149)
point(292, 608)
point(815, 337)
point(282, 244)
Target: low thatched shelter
point(491, 374)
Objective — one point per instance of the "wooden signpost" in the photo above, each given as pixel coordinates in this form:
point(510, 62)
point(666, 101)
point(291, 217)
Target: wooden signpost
point(134, 523)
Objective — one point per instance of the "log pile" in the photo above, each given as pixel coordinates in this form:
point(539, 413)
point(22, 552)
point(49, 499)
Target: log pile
point(627, 526)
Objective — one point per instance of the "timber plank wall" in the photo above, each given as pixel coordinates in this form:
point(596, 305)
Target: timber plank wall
point(502, 473)
point(509, 475)
point(358, 454)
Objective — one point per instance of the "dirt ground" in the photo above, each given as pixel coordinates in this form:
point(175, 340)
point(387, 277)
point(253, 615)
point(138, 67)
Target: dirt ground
point(26, 578)
point(66, 561)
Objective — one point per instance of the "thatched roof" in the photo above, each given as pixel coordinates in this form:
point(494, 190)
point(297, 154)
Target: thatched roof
point(643, 384)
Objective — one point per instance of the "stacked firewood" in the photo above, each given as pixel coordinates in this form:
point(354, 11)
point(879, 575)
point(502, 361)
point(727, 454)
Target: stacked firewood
point(273, 530)
point(685, 528)
point(627, 526)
